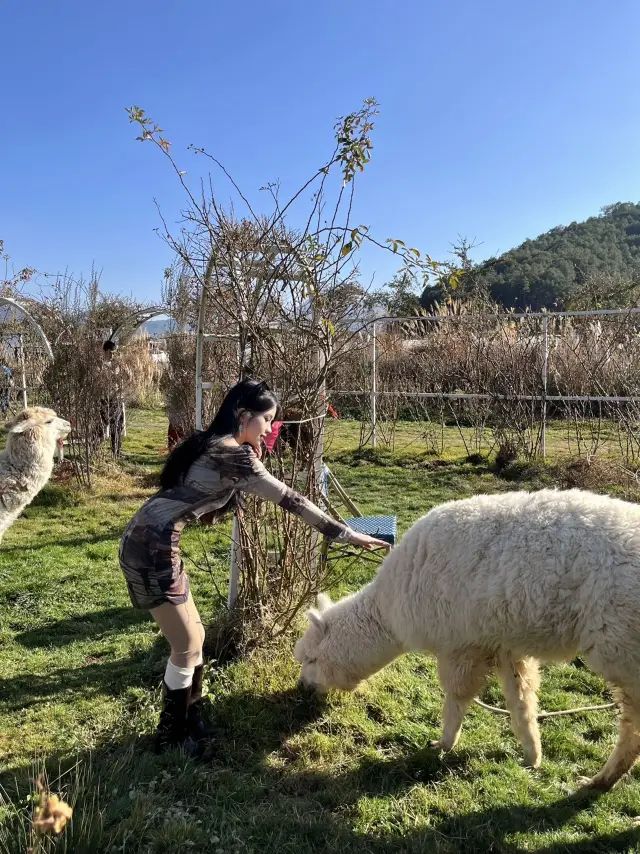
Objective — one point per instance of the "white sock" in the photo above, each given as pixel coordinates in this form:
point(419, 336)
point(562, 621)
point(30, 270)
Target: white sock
point(178, 677)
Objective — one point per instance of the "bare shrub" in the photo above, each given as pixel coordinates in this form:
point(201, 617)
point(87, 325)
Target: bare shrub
point(484, 373)
point(284, 303)
point(77, 319)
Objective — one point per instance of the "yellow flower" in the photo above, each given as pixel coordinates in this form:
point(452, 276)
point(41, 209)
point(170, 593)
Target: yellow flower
point(52, 814)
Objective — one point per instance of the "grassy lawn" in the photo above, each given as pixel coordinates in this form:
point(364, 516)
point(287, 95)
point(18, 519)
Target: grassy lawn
point(79, 693)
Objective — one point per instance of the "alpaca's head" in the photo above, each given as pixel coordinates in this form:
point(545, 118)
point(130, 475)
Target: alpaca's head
point(37, 425)
point(326, 650)
point(346, 642)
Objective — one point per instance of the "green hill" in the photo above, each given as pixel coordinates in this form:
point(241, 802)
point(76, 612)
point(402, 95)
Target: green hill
point(548, 271)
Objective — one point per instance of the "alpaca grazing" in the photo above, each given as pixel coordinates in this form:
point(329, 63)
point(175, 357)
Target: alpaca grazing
point(27, 461)
point(500, 581)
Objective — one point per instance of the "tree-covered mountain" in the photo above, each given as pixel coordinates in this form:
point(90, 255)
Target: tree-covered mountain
point(555, 267)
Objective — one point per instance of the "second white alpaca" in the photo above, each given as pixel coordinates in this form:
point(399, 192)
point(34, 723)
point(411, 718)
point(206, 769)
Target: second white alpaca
point(500, 581)
point(27, 461)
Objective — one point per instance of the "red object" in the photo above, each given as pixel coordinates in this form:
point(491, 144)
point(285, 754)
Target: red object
point(175, 435)
point(270, 440)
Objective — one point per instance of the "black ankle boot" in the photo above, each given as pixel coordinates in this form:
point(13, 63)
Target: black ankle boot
point(197, 730)
point(172, 726)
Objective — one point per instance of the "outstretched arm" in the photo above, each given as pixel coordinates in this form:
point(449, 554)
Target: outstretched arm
point(254, 478)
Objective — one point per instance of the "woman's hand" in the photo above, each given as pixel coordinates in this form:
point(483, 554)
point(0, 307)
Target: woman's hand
point(367, 542)
point(257, 450)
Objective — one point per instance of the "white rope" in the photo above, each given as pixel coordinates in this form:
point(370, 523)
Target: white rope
point(541, 715)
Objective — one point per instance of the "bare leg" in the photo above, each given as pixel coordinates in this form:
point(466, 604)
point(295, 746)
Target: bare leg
point(182, 627)
point(461, 678)
point(520, 681)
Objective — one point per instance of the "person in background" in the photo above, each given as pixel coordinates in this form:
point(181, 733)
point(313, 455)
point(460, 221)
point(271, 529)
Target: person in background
point(112, 404)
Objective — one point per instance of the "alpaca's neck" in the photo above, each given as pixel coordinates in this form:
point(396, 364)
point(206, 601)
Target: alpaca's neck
point(361, 631)
point(32, 459)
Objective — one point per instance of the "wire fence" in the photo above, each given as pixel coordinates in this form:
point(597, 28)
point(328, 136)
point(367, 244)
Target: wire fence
point(521, 380)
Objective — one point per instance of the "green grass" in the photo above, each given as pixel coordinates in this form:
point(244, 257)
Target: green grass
point(79, 692)
point(565, 438)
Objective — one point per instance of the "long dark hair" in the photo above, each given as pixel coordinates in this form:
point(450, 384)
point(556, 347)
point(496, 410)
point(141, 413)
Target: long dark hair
point(246, 396)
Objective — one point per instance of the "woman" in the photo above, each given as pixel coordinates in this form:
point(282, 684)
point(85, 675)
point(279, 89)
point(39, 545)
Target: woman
point(202, 475)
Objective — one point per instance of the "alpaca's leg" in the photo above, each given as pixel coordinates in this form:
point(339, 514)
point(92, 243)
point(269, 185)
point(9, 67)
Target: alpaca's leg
point(627, 748)
point(461, 676)
point(520, 681)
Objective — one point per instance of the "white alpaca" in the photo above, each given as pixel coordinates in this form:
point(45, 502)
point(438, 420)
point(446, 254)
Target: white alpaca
point(499, 581)
point(27, 461)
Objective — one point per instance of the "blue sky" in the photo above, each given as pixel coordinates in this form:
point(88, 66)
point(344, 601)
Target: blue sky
point(499, 120)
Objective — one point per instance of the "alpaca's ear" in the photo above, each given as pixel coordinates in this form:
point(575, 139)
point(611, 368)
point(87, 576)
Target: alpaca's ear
point(21, 426)
point(324, 602)
point(317, 620)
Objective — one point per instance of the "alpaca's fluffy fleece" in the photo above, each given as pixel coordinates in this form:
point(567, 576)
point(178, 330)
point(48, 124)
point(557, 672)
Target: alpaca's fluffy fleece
point(27, 461)
point(499, 581)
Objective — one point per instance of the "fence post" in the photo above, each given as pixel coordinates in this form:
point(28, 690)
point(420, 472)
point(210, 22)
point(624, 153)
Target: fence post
point(236, 562)
point(374, 384)
point(23, 370)
point(545, 364)
point(199, 355)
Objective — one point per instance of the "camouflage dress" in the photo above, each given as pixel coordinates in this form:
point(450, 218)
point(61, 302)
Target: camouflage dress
point(150, 547)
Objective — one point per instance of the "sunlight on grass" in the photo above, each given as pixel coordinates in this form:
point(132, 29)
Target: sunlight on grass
point(80, 673)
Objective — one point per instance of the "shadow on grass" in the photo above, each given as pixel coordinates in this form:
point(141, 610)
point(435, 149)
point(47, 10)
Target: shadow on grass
point(57, 496)
point(254, 804)
point(96, 677)
point(62, 542)
point(92, 625)
point(143, 458)
point(312, 808)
